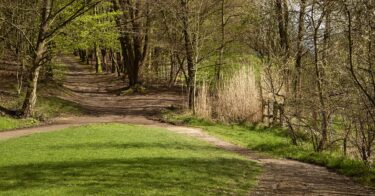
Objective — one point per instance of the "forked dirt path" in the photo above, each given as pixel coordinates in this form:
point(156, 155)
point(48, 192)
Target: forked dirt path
point(98, 95)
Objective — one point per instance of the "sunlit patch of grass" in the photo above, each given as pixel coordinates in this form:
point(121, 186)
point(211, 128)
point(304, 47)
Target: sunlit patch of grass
point(50, 107)
point(7, 123)
point(118, 159)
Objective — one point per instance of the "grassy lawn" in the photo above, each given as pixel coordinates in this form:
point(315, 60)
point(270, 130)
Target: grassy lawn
point(7, 123)
point(275, 142)
point(115, 159)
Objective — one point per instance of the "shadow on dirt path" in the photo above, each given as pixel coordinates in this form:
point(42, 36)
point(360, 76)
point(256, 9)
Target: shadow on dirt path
point(97, 94)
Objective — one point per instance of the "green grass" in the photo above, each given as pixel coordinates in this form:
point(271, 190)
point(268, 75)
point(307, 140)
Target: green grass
point(50, 107)
point(7, 123)
point(276, 143)
point(47, 107)
point(115, 159)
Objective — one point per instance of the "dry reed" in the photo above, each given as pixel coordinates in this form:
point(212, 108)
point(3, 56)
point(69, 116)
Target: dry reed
point(236, 100)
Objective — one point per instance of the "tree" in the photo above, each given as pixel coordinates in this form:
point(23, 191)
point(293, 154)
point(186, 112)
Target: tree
point(92, 34)
point(134, 23)
point(53, 17)
point(189, 52)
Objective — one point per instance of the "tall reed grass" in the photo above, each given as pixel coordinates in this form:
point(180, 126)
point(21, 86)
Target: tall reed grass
point(236, 99)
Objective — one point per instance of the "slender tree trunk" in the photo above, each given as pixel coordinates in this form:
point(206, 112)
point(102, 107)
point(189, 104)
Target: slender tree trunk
point(98, 63)
point(38, 57)
point(286, 27)
point(104, 59)
point(296, 81)
point(282, 13)
point(115, 65)
point(120, 63)
point(300, 47)
point(20, 74)
point(189, 54)
point(322, 106)
point(173, 69)
point(82, 55)
point(222, 44)
point(31, 93)
point(87, 60)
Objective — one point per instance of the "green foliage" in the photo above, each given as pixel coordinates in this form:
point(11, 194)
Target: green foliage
point(95, 27)
point(275, 142)
point(118, 159)
point(7, 123)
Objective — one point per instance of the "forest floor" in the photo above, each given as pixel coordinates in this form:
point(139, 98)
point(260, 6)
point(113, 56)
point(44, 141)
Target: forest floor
point(99, 96)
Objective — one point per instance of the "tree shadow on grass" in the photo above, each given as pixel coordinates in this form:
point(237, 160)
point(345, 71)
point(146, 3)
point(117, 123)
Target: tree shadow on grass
point(132, 176)
point(135, 145)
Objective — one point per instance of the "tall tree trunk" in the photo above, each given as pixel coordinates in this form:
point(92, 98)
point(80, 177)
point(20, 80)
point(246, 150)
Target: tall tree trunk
point(31, 95)
point(282, 12)
point(319, 87)
point(300, 47)
point(222, 44)
point(189, 54)
point(286, 27)
point(134, 44)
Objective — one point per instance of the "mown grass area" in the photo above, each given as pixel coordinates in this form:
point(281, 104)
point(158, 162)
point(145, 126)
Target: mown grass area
point(114, 159)
point(276, 143)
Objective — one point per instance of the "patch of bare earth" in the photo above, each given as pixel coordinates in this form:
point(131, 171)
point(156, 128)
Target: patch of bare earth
point(98, 94)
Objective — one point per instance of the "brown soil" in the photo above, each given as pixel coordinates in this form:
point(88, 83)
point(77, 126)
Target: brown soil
point(98, 94)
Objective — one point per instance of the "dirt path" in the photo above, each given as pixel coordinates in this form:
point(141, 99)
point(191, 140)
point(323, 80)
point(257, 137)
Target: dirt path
point(98, 95)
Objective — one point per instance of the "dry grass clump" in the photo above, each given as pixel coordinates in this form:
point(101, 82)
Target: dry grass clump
point(236, 100)
point(203, 102)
